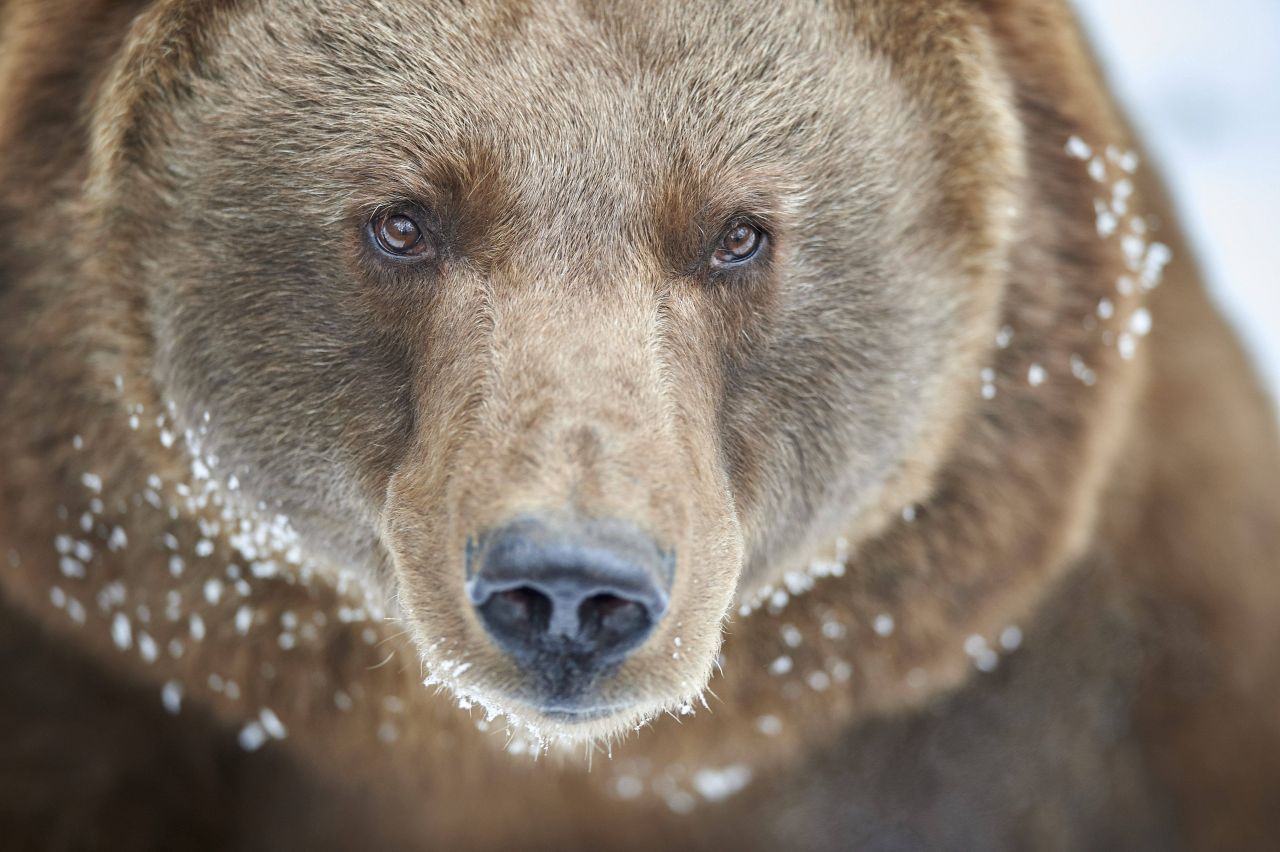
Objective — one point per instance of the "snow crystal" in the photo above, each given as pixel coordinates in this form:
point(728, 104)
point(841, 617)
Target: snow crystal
point(171, 697)
point(271, 723)
point(121, 631)
point(71, 567)
point(1011, 638)
point(1140, 323)
point(984, 658)
point(716, 785)
point(986, 661)
point(1081, 371)
point(1108, 223)
point(1157, 258)
point(769, 725)
point(75, 610)
point(840, 670)
point(1079, 149)
point(818, 681)
point(680, 802)
point(628, 787)
point(147, 647)
point(1135, 249)
point(252, 736)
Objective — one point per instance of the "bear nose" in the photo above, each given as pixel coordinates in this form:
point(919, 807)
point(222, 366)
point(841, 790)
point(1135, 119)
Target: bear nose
point(568, 599)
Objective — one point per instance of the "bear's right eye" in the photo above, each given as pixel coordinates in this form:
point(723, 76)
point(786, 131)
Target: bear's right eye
point(397, 234)
point(739, 244)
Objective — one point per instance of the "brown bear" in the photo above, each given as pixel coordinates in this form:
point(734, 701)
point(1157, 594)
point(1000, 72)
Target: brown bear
point(758, 425)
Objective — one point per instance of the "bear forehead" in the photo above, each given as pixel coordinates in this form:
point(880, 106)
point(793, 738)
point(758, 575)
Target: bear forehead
point(580, 108)
point(539, 74)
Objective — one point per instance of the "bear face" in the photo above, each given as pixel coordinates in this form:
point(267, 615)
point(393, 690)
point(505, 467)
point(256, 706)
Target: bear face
point(572, 284)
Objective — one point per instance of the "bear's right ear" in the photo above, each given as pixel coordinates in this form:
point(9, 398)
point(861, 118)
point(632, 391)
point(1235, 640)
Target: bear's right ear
point(166, 44)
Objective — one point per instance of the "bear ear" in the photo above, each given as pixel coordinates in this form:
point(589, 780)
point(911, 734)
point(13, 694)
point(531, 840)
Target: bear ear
point(166, 44)
point(1022, 7)
point(1043, 46)
point(1026, 24)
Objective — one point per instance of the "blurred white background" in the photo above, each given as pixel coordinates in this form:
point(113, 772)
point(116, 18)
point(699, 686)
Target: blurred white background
point(1202, 81)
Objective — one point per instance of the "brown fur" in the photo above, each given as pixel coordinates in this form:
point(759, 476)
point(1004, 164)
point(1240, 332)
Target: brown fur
point(181, 202)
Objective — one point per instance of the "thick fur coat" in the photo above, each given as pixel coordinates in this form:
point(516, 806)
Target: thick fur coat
point(974, 499)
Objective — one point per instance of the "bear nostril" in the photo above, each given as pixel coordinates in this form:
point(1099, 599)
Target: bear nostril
point(611, 622)
point(518, 611)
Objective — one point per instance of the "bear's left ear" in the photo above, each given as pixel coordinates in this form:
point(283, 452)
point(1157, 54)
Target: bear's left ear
point(1044, 52)
point(1022, 23)
point(1021, 7)
point(165, 46)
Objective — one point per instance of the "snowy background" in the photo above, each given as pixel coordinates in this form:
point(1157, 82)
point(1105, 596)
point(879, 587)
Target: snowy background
point(1202, 81)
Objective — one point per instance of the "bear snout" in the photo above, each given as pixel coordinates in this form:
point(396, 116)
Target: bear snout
point(568, 599)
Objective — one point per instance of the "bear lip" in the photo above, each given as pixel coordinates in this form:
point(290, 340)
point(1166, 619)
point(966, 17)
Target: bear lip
point(581, 714)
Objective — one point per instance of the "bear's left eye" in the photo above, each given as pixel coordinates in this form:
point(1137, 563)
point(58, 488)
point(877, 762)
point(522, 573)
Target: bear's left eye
point(398, 234)
point(740, 243)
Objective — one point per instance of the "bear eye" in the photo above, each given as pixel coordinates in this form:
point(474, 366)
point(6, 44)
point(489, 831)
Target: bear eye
point(741, 242)
point(397, 234)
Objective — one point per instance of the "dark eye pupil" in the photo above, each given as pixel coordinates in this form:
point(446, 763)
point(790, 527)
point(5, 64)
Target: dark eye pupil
point(399, 234)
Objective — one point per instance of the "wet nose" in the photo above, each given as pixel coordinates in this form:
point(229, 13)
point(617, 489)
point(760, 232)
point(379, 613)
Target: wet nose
point(567, 599)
